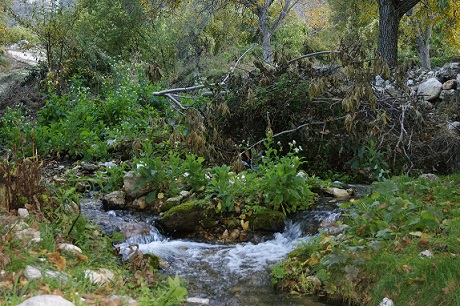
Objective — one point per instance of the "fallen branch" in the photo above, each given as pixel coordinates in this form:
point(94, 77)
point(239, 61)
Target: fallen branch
point(312, 54)
point(285, 132)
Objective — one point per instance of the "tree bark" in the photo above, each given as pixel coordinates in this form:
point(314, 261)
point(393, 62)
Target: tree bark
point(423, 43)
point(390, 14)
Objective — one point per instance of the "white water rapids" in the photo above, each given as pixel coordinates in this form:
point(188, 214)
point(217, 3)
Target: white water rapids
point(223, 274)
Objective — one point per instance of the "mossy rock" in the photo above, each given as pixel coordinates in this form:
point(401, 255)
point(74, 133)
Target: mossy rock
point(186, 217)
point(267, 220)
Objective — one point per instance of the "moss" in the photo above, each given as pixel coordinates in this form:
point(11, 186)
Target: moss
point(267, 220)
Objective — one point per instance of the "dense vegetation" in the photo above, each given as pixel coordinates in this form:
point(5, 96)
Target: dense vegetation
point(261, 91)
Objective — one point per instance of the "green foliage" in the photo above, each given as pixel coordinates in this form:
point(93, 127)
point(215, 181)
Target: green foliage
point(174, 293)
point(387, 232)
point(222, 186)
point(16, 130)
point(371, 160)
point(17, 33)
point(281, 187)
point(81, 125)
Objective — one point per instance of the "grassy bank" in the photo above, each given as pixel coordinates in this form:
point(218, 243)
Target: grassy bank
point(402, 242)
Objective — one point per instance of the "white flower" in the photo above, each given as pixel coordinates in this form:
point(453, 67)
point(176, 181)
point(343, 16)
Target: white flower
point(293, 142)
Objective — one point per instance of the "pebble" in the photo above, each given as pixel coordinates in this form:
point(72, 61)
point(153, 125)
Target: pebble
point(23, 212)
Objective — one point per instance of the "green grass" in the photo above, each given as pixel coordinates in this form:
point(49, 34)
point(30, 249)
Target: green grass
point(379, 255)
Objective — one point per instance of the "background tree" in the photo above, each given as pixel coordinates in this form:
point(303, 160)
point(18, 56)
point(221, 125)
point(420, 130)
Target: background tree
point(270, 15)
point(390, 14)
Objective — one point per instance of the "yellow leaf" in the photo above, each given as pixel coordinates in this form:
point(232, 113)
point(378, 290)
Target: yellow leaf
point(161, 195)
point(244, 225)
point(313, 261)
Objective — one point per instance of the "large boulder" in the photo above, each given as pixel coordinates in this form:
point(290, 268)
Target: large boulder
point(267, 220)
point(430, 89)
point(185, 218)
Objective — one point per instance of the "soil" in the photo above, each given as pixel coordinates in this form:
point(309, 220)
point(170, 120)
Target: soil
point(18, 86)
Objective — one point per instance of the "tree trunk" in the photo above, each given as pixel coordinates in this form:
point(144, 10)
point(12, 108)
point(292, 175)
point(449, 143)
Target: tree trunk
point(390, 13)
point(423, 43)
point(388, 32)
point(267, 47)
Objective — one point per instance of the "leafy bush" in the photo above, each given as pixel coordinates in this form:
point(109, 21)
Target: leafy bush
point(86, 126)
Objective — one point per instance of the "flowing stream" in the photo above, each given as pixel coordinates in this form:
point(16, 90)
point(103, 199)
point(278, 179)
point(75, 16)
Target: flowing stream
point(221, 274)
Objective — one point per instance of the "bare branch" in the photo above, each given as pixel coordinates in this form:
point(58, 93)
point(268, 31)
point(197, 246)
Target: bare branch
point(313, 54)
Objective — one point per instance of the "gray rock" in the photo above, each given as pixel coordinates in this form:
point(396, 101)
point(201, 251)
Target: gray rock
point(429, 177)
point(426, 253)
point(46, 300)
point(454, 126)
point(448, 71)
point(32, 273)
point(114, 200)
point(131, 181)
point(23, 212)
point(337, 192)
point(448, 94)
point(184, 193)
point(196, 300)
point(183, 218)
point(63, 277)
point(430, 89)
point(175, 200)
point(69, 248)
point(387, 302)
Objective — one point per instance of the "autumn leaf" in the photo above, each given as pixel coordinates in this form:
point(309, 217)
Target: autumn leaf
point(59, 261)
point(245, 225)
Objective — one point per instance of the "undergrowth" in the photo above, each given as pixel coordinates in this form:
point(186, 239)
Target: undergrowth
point(402, 242)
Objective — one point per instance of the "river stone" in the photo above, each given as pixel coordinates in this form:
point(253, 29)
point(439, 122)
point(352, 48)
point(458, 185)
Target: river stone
point(46, 300)
point(183, 218)
point(267, 220)
point(32, 273)
point(114, 200)
point(337, 192)
point(131, 182)
point(430, 89)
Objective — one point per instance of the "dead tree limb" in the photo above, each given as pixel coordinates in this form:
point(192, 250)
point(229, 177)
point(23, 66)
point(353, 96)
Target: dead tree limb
point(286, 132)
point(313, 54)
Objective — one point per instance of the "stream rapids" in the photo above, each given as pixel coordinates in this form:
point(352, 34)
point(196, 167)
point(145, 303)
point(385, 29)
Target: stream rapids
point(221, 274)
